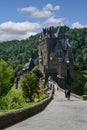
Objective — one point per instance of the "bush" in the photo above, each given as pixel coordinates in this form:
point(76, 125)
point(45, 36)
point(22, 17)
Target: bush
point(13, 100)
point(43, 96)
point(85, 88)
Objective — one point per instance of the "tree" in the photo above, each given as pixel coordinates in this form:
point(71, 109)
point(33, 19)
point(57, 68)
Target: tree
point(78, 40)
point(37, 71)
point(85, 57)
point(6, 74)
point(79, 61)
point(30, 85)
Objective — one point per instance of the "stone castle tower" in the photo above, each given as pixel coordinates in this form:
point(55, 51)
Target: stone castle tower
point(55, 53)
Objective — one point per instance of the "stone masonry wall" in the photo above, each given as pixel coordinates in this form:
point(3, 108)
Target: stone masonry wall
point(10, 118)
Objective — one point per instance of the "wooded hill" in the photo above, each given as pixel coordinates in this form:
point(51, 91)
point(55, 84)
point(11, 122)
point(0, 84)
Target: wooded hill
point(17, 53)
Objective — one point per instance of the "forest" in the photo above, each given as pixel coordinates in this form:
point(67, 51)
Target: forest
point(78, 40)
point(16, 53)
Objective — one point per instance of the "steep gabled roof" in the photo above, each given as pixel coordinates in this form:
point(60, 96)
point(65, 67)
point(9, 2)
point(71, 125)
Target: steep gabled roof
point(29, 65)
point(57, 47)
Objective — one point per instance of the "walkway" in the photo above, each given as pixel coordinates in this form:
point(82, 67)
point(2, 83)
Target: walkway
point(60, 114)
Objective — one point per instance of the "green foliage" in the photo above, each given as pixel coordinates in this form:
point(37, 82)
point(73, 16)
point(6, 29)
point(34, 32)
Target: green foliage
point(79, 80)
point(30, 85)
point(44, 96)
point(37, 72)
point(78, 88)
point(85, 72)
point(17, 53)
point(12, 100)
point(6, 74)
point(78, 40)
point(85, 88)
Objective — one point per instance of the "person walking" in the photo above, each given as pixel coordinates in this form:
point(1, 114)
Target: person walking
point(53, 91)
point(68, 94)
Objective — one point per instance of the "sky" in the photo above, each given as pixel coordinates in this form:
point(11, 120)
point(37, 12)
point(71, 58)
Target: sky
point(20, 19)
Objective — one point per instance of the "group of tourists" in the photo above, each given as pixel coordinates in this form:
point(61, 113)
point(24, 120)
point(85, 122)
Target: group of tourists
point(67, 94)
point(50, 87)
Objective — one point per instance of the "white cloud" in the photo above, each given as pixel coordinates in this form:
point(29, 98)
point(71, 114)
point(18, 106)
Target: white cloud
point(54, 21)
point(36, 13)
point(17, 30)
point(22, 30)
point(57, 7)
point(44, 13)
point(50, 7)
point(29, 9)
point(78, 25)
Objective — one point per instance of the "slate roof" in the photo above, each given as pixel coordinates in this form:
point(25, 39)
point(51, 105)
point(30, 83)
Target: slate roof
point(57, 47)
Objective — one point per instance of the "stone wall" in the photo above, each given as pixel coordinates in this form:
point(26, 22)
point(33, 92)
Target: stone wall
point(84, 97)
point(10, 118)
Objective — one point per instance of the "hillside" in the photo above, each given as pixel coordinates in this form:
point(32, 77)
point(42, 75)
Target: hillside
point(78, 40)
point(17, 53)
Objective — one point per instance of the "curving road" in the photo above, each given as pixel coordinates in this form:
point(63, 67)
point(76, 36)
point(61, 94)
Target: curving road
point(60, 114)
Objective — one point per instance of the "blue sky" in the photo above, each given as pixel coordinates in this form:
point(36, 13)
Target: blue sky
point(21, 18)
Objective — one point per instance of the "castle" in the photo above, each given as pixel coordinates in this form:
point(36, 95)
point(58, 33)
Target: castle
point(55, 53)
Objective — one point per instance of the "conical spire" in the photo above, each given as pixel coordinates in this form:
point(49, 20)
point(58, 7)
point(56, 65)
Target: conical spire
point(67, 57)
point(67, 42)
point(58, 30)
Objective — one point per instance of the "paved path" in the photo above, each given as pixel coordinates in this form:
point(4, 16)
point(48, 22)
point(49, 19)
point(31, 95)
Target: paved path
point(60, 114)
